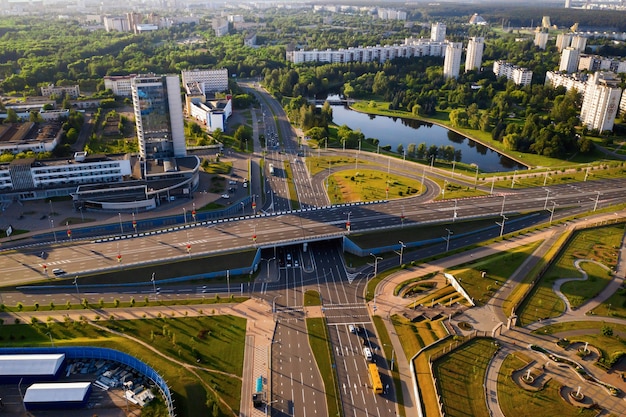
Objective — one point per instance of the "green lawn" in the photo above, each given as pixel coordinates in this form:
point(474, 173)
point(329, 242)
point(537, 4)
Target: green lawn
point(600, 244)
point(579, 292)
point(370, 185)
point(312, 298)
point(498, 268)
point(293, 193)
point(217, 341)
point(460, 378)
point(320, 345)
point(415, 336)
point(454, 190)
point(516, 401)
point(614, 306)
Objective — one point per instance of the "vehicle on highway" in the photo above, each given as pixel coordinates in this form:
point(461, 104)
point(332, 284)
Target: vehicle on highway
point(58, 271)
point(377, 384)
point(352, 328)
point(225, 196)
point(367, 352)
point(271, 169)
point(288, 260)
point(296, 263)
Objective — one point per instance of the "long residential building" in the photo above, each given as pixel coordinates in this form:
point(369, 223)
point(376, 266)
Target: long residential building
point(519, 75)
point(414, 48)
point(120, 85)
point(72, 91)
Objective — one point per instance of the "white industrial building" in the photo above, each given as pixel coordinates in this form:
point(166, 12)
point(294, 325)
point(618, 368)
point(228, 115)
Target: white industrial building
point(60, 395)
point(39, 366)
point(215, 80)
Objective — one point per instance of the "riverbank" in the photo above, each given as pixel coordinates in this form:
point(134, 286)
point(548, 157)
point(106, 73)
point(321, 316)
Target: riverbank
point(530, 161)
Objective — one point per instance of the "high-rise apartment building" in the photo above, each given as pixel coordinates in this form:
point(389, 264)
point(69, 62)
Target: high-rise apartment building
point(438, 32)
point(452, 61)
point(601, 101)
point(474, 58)
point(569, 60)
point(541, 39)
point(563, 40)
point(159, 116)
point(579, 43)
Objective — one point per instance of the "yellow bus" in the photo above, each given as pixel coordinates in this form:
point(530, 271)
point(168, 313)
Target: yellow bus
point(377, 385)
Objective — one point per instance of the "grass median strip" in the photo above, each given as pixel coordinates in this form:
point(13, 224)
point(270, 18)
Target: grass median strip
point(320, 345)
point(389, 354)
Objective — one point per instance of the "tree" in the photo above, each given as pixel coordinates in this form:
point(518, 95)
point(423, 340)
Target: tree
point(411, 150)
point(11, 116)
point(400, 149)
point(217, 134)
point(607, 330)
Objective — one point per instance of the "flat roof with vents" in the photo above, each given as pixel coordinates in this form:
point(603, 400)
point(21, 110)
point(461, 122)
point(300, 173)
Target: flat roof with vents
point(30, 365)
point(57, 395)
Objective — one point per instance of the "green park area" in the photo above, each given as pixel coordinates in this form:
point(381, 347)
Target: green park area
point(200, 357)
point(369, 185)
point(481, 279)
point(599, 244)
point(606, 337)
point(517, 401)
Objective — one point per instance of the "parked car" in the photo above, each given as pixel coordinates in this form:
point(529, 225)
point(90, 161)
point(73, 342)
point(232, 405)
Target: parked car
point(58, 271)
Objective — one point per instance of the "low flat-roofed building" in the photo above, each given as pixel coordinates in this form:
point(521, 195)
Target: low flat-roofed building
point(35, 366)
point(61, 395)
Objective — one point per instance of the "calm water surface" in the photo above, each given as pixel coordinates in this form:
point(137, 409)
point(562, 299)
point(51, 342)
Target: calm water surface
point(395, 131)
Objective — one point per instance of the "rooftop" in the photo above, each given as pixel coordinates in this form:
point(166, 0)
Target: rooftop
point(29, 365)
point(57, 392)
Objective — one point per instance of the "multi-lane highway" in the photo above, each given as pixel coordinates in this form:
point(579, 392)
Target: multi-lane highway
point(292, 270)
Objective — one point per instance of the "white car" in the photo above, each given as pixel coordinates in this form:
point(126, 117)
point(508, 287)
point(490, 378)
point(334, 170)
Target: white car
point(226, 196)
point(58, 272)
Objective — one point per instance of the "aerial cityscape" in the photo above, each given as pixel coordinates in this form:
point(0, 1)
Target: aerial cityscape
point(296, 208)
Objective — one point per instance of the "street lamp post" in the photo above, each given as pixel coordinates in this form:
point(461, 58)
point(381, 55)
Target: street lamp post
point(274, 303)
point(76, 285)
point(552, 211)
point(376, 259)
point(447, 239)
point(595, 205)
point(545, 205)
point(121, 227)
point(502, 224)
point(185, 215)
point(348, 221)
point(502, 208)
point(154, 286)
point(402, 246)
point(455, 213)
point(243, 208)
point(53, 231)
